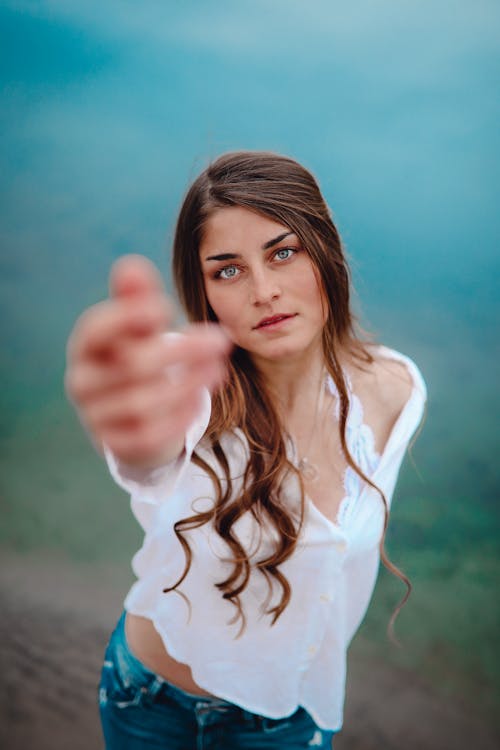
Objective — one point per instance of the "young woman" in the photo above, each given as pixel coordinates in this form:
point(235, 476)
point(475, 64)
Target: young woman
point(260, 448)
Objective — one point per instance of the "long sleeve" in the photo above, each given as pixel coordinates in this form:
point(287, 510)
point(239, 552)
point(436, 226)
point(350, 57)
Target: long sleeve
point(149, 488)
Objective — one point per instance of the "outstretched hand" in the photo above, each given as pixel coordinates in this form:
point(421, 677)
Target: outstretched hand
point(133, 390)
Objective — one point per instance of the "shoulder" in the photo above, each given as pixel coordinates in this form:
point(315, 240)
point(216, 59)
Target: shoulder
point(387, 380)
point(385, 387)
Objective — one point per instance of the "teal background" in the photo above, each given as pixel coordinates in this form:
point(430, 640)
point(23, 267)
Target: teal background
point(108, 110)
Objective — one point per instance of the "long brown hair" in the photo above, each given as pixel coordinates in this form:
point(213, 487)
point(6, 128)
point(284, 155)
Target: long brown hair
point(281, 189)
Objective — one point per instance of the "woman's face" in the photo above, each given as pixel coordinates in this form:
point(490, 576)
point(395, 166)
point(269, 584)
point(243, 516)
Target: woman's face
point(262, 285)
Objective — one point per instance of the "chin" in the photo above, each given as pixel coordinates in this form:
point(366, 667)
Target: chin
point(280, 351)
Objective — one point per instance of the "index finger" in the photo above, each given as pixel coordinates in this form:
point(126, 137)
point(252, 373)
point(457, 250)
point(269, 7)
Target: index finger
point(134, 275)
point(101, 329)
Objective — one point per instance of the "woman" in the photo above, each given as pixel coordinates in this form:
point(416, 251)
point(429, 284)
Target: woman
point(264, 504)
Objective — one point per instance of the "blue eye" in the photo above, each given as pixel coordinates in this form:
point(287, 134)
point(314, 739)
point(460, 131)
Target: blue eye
point(228, 272)
point(284, 253)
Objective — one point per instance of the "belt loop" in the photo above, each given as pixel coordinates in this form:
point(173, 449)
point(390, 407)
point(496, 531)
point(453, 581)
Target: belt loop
point(156, 685)
point(151, 691)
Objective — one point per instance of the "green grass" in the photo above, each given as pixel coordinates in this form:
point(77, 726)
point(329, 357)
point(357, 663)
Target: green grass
point(56, 493)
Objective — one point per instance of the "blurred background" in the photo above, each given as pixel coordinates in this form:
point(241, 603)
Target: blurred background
point(108, 111)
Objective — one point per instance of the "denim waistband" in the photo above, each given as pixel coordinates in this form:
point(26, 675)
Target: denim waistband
point(133, 671)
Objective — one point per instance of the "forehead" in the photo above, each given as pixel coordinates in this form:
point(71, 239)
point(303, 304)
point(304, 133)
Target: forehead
point(235, 228)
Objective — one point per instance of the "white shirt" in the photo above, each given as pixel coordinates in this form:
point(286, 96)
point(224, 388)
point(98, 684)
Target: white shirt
point(301, 659)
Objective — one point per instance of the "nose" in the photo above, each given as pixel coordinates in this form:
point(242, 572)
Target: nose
point(263, 287)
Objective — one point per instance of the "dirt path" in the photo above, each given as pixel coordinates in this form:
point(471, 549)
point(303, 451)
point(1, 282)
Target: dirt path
point(54, 624)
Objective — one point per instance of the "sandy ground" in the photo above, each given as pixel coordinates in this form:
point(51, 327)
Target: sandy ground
point(54, 624)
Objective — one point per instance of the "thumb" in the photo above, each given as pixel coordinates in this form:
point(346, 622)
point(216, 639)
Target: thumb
point(133, 275)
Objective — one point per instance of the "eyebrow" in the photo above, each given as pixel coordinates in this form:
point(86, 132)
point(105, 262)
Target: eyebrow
point(265, 246)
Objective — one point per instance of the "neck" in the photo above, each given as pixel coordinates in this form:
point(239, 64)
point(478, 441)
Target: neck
point(292, 381)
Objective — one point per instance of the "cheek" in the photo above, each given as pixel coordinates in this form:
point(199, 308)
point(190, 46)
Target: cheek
point(223, 305)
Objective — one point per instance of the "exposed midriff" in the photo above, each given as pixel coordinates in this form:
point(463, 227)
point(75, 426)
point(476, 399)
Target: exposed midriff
point(146, 645)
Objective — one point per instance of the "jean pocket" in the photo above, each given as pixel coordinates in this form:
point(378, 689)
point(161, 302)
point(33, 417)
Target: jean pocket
point(124, 681)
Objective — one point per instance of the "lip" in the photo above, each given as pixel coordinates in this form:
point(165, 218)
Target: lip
point(273, 321)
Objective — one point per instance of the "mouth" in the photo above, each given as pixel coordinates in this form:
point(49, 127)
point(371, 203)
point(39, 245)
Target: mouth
point(274, 320)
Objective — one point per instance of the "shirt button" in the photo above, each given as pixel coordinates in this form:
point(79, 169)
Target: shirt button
point(325, 597)
point(311, 650)
point(341, 546)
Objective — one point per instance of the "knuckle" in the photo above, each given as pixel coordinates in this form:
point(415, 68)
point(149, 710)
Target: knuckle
point(87, 319)
point(130, 363)
point(92, 414)
point(153, 308)
point(73, 384)
point(138, 365)
point(136, 406)
point(69, 383)
point(85, 328)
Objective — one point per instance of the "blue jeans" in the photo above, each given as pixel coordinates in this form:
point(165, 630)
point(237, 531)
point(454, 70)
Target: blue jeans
point(140, 710)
